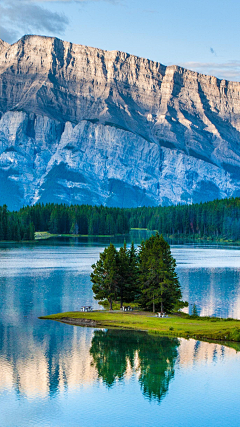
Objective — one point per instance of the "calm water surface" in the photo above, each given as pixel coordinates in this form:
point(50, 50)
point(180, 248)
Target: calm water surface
point(62, 376)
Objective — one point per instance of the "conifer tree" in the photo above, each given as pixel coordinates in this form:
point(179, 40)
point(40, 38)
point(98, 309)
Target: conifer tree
point(126, 270)
point(123, 278)
point(159, 281)
point(104, 276)
point(133, 289)
point(5, 225)
point(194, 311)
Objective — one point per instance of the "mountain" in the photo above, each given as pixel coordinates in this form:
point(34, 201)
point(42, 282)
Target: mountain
point(84, 125)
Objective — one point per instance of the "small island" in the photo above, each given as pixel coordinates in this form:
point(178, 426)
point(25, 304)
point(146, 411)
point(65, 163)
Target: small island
point(142, 279)
point(180, 325)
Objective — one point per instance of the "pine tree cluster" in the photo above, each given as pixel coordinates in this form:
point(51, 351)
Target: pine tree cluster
point(115, 275)
point(146, 276)
point(15, 226)
point(78, 219)
point(61, 219)
point(216, 219)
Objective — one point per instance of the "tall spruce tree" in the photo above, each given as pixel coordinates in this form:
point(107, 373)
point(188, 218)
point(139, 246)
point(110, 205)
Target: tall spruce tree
point(158, 278)
point(105, 276)
point(133, 289)
point(123, 278)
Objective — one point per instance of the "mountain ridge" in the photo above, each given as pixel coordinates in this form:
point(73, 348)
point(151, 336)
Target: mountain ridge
point(118, 103)
point(174, 66)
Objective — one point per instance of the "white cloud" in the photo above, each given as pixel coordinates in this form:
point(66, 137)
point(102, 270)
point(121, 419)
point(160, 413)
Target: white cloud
point(21, 16)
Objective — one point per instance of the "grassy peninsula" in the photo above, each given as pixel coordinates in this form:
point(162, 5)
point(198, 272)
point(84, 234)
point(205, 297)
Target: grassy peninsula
point(179, 325)
point(146, 277)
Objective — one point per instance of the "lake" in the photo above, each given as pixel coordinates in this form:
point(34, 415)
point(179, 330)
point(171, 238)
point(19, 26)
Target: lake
point(58, 375)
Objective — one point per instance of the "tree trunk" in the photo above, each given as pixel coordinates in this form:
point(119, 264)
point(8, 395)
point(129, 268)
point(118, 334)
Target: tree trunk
point(161, 307)
point(153, 305)
point(110, 302)
point(121, 303)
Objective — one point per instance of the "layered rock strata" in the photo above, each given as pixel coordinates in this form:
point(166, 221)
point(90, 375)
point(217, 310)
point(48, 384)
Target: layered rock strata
point(83, 125)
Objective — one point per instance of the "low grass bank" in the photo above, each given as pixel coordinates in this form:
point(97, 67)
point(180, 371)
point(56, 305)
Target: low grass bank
point(202, 328)
point(41, 235)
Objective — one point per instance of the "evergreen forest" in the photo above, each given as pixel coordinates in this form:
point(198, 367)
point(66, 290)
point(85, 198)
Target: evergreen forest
point(215, 220)
point(146, 277)
point(62, 219)
point(15, 226)
point(219, 219)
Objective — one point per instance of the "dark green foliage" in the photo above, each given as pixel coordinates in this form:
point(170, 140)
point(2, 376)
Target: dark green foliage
point(105, 276)
point(14, 226)
point(158, 278)
point(147, 277)
point(114, 351)
point(128, 277)
point(180, 305)
point(123, 273)
point(61, 219)
point(216, 219)
point(115, 275)
point(133, 292)
point(157, 359)
point(108, 350)
point(78, 219)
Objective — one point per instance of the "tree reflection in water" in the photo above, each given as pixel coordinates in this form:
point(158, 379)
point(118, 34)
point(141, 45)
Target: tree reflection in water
point(152, 357)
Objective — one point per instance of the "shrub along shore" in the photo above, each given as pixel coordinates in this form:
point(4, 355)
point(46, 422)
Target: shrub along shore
point(179, 325)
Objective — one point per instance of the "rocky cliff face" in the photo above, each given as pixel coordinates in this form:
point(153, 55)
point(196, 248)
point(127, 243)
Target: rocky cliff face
point(82, 125)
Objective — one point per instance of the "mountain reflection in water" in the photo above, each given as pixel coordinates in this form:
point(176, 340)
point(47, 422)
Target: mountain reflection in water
point(151, 357)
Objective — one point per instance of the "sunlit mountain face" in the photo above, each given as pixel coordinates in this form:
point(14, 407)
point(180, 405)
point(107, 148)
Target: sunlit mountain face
point(83, 125)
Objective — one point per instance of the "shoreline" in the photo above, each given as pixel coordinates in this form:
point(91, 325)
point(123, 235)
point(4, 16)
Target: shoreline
point(182, 326)
point(173, 239)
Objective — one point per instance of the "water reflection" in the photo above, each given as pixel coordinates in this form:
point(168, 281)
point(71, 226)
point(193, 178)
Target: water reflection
point(71, 370)
point(37, 365)
point(57, 358)
point(215, 291)
point(69, 356)
point(115, 353)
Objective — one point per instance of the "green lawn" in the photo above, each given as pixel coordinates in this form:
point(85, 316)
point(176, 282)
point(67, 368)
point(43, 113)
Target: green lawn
point(40, 235)
point(213, 329)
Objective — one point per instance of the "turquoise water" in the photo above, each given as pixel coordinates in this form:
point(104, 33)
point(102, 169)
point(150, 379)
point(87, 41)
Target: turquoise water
point(57, 375)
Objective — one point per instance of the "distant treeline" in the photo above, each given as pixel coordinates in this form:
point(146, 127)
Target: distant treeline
point(15, 225)
point(62, 219)
point(217, 219)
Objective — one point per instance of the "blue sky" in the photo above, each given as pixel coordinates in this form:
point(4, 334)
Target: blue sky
point(200, 35)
